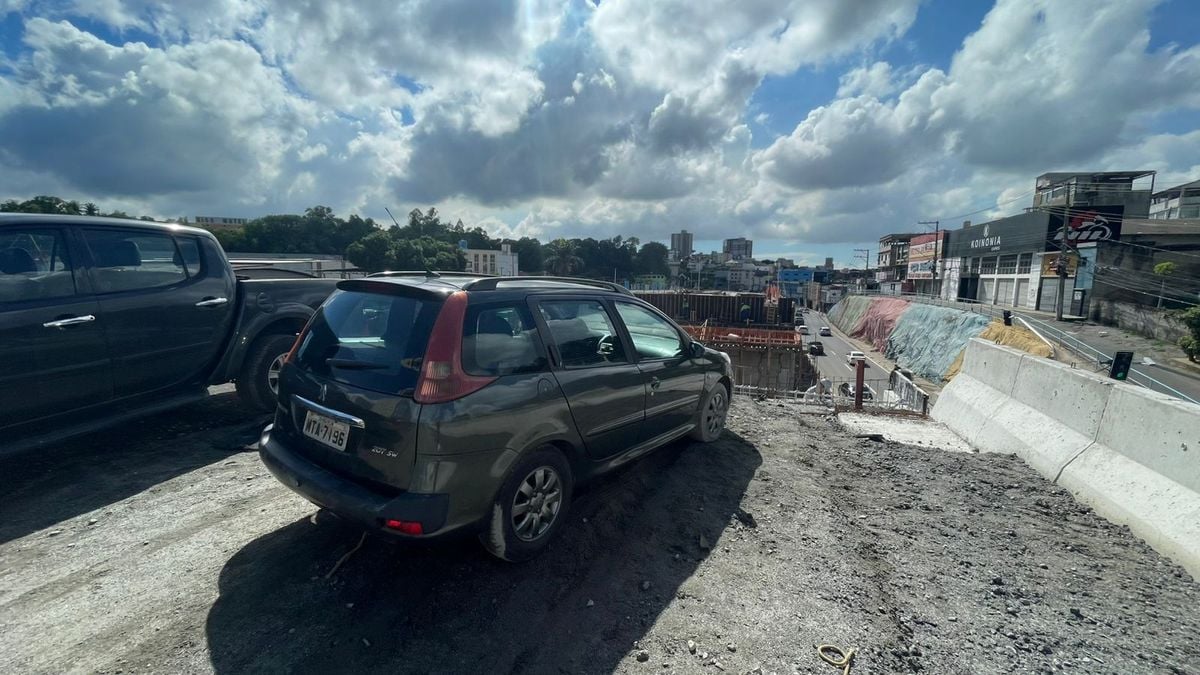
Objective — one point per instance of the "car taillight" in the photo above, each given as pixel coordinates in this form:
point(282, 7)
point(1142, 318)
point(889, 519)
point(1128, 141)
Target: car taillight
point(442, 376)
point(403, 526)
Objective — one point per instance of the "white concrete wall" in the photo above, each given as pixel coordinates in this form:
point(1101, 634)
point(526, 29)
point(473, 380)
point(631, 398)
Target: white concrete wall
point(1131, 454)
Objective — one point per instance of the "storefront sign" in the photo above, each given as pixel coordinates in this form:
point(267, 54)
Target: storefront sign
point(922, 251)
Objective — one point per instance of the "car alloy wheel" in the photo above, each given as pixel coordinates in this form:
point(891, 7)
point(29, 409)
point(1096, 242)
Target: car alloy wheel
point(537, 503)
point(714, 412)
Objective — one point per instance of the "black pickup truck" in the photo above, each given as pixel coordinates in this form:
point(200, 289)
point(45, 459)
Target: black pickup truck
point(103, 320)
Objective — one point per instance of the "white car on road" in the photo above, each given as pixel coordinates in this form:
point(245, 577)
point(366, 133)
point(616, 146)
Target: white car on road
point(854, 356)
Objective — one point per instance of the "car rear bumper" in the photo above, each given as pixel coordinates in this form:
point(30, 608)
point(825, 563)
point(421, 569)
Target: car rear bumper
point(349, 500)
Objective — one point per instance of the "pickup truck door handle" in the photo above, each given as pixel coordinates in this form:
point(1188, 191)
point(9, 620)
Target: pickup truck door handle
point(212, 302)
point(654, 384)
point(70, 321)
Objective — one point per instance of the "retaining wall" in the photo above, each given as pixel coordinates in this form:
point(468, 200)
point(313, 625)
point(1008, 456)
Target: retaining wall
point(927, 338)
point(1129, 453)
point(880, 318)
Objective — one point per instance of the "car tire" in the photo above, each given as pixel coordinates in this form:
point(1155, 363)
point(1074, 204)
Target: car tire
point(257, 382)
point(710, 418)
point(519, 537)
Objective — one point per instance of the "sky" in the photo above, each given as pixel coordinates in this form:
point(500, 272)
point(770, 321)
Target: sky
point(811, 126)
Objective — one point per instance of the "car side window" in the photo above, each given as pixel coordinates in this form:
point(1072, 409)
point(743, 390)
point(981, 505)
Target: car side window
point(128, 260)
point(653, 336)
point(583, 332)
point(501, 340)
point(34, 265)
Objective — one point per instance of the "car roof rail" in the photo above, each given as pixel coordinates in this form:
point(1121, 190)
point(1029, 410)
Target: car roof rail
point(491, 283)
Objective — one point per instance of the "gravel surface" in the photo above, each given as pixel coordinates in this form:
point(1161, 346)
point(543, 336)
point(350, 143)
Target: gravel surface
point(167, 547)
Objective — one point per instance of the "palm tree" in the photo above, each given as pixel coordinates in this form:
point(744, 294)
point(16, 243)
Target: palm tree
point(563, 259)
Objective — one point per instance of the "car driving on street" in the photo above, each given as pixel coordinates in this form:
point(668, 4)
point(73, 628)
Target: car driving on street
point(855, 356)
point(815, 348)
point(825, 332)
point(420, 404)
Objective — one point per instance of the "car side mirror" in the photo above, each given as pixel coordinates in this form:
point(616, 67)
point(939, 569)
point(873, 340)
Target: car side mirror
point(697, 350)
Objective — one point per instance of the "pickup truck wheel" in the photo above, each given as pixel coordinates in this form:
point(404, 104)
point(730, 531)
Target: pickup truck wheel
point(259, 380)
point(530, 507)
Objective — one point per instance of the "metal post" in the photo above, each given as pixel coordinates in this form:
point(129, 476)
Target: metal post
point(858, 384)
point(1062, 269)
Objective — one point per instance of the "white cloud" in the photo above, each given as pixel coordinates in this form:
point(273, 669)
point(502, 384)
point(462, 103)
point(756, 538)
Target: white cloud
point(545, 118)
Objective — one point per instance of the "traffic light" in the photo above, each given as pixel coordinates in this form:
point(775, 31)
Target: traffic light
point(1119, 370)
point(1007, 317)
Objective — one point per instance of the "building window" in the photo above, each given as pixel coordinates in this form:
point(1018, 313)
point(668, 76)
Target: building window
point(1008, 264)
point(1024, 263)
point(988, 266)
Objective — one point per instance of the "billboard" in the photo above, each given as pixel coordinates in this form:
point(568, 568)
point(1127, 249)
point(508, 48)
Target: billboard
point(922, 251)
point(1086, 225)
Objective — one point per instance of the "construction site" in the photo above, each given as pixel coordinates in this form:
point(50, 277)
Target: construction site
point(755, 329)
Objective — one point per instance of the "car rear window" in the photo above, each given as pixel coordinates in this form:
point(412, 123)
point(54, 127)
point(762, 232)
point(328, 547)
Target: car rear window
point(369, 340)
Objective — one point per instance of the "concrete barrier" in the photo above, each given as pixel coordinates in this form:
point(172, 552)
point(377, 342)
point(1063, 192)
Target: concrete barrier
point(1131, 454)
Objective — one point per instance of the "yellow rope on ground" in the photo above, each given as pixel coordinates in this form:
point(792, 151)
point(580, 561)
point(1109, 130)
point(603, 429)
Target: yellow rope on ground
point(838, 659)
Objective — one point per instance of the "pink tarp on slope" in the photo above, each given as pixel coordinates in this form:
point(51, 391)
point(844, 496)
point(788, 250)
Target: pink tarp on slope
point(877, 324)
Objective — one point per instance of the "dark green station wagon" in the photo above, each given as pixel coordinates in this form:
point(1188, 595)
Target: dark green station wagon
point(420, 404)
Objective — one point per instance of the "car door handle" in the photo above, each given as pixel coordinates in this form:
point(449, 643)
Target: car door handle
point(212, 302)
point(68, 322)
point(654, 382)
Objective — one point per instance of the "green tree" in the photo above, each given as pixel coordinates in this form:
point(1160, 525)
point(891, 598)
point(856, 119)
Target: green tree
point(1191, 343)
point(1164, 270)
point(561, 257)
point(90, 209)
point(374, 252)
point(529, 254)
point(652, 259)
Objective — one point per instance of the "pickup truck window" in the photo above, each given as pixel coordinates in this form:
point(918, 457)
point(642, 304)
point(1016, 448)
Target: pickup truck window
point(190, 252)
point(128, 260)
point(34, 265)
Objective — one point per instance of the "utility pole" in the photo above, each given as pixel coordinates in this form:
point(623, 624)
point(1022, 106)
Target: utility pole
point(1061, 266)
point(937, 242)
point(865, 253)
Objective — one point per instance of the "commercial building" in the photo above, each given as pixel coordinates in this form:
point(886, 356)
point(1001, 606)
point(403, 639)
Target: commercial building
point(892, 261)
point(1012, 261)
point(504, 262)
point(1181, 201)
point(925, 253)
point(739, 248)
point(681, 245)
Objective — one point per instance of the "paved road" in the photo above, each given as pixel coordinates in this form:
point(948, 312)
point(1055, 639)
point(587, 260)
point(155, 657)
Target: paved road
point(833, 364)
point(1154, 377)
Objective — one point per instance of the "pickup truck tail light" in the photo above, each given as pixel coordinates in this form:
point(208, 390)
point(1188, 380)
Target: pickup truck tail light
point(442, 376)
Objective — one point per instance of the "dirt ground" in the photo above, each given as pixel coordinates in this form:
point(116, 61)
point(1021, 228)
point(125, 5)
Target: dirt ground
point(166, 547)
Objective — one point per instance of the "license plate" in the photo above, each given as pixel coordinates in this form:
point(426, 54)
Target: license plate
point(326, 430)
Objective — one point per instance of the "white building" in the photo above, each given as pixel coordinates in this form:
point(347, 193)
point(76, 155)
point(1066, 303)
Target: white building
point(485, 261)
